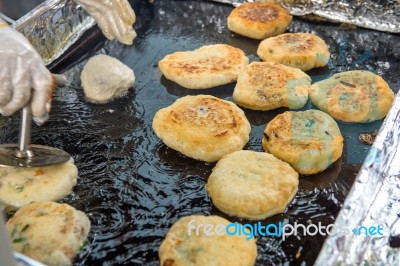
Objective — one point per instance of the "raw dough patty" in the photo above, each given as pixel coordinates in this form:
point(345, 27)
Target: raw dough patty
point(203, 68)
point(301, 50)
point(266, 86)
point(105, 78)
point(252, 185)
point(202, 127)
point(182, 246)
point(309, 141)
point(48, 232)
point(353, 96)
point(20, 186)
point(259, 20)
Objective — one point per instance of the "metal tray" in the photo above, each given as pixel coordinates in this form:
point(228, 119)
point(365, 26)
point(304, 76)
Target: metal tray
point(134, 188)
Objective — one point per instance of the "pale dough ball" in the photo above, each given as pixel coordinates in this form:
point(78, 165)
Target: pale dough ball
point(105, 78)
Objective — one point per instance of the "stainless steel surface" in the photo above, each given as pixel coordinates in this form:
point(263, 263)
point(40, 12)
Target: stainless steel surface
point(7, 19)
point(6, 255)
point(235, 3)
point(34, 156)
point(25, 133)
point(26, 261)
point(24, 154)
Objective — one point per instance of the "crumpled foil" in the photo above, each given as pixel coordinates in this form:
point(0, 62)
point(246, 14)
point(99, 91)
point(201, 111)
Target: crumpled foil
point(374, 200)
point(54, 26)
point(382, 15)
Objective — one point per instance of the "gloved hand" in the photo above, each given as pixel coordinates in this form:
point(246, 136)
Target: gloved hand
point(23, 76)
point(114, 17)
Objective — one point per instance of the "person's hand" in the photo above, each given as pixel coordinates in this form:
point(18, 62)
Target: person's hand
point(23, 76)
point(114, 17)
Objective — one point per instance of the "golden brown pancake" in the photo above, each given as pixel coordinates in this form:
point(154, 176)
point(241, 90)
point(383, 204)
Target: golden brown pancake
point(252, 185)
point(205, 67)
point(182, 246)
point(300, 50)
point(49, 232)
point(20, 186)
point(353, 96)
point(202, 127)
point(266, 86)
point(259, 20)
point(310, 141)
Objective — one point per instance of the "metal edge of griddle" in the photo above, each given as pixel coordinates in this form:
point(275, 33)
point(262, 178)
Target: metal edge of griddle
point(371, 202)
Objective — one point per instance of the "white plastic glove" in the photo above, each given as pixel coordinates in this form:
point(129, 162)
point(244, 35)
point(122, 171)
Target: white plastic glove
point(114, 17)
point(23, 76)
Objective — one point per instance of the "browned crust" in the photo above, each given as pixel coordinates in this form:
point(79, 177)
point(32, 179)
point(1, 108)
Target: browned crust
point(297, 43)
point(259, 20)
point(218, 114)
point(212, 64)
point(355, 107)
point(260, 12)
point(202, 127)
point(300, 50)
point(283, 138)
point(205, 67)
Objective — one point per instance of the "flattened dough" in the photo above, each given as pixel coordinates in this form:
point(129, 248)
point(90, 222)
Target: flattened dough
point(266, 86)
point(353, 96)
point(202, 127)
point(259, 20)
point(49, 232)
point(20, 186)
point(300, 50)
point(309, 141)
point(182, 247)
point(205, 67)
point(252, 185)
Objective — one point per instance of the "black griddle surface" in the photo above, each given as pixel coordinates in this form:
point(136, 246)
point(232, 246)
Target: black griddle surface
point(134, 188)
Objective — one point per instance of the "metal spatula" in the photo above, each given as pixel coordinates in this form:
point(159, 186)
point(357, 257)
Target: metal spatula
point(24, 154)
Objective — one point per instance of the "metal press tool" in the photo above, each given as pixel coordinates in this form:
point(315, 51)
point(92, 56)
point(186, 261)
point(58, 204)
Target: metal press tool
point(25, 154)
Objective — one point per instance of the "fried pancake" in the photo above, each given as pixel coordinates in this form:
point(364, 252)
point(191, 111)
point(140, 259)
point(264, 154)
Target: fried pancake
point(202, 127)
point(252, 185)
point(105, 78)
point(20, 186)
point(259, 20)
point(182, 246)
point(206, 67)
point(301, 50)
point(309, 141)
point(353, 96)
point(49, 232)
point(266, 86)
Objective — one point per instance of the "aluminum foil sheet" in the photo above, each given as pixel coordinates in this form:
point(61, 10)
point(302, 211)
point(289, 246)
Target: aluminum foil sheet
point(372, 14)
point(374, 200)
point(54, 26)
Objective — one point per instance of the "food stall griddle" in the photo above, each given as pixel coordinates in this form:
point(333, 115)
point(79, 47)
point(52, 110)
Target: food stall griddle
point(133, 187)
